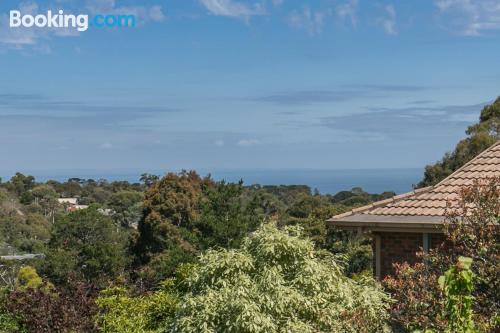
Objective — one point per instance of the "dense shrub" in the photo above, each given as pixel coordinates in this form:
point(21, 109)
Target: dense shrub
point(472, 230)
point(277, 282)
point(44, 309)
point(119, 312)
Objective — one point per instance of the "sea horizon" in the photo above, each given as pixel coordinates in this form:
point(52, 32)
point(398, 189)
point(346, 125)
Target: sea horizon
point(326, 181)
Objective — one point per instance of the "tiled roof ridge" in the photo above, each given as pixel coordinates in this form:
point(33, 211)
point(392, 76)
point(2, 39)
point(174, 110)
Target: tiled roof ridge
point(403, 196)
point(484, 152)
point(376, 204)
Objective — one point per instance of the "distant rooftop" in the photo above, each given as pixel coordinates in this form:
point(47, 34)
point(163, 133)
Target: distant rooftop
point(22, 256)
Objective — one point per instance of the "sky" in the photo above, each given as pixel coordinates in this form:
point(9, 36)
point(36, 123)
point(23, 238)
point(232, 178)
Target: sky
point(233, 84)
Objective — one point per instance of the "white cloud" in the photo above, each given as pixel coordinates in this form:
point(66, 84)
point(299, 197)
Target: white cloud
point(143, 14)
point(36, 38)
point(248, 142)
point(17, 38)
point(469, 17)
point(219, 143)
point(388, 21)
point(348, 11)
point(106, 146)
point(156, 13)
point(232, 8)
point(308, 19)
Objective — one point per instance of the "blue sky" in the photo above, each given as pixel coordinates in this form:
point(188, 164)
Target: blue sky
point(262, 84)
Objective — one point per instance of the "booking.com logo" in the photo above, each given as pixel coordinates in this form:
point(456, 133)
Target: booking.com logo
point(80, 22)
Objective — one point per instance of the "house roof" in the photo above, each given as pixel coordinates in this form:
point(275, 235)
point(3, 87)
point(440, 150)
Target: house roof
point(71, 201)
point(426, 206)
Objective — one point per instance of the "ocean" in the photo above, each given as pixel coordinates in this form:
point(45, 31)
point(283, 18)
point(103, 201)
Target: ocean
point(326, 181)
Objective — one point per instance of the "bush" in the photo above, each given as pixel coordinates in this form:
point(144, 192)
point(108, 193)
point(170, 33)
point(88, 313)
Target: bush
point(277, 282)
point(121, 313)
point(57, 311)
point(471, 230)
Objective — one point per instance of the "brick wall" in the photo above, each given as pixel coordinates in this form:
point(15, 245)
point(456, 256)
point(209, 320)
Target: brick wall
point(435, 240)
point(399, 247)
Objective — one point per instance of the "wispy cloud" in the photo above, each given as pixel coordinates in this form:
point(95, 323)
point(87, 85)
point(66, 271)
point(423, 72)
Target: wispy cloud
point(232, 8)
point(144, 14)
point(388, 20)
point(406, 121)
point(106, 146)
point(340, 94)
point(347, 11)
point(469, 17)
point(310, 20)
point(248, 142)
point(21, 38)
point(39, 107)
point(219, 143)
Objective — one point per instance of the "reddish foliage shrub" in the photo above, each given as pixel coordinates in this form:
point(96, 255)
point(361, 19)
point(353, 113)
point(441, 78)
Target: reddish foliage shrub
point(472, 230)
point(418, 298)
point(56, 311)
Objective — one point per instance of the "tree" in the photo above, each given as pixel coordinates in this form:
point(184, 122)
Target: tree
point(119, 312)
point(25, 233)
point(87, 243)
point(224, 218)
point(277, 282)
point(171, 203)
point(481, 136)
point(20, 184)
point(149, 179)
point(45, 197)
point(127, 207)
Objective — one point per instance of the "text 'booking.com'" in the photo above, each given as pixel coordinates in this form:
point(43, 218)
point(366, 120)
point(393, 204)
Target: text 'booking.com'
point(59, 19)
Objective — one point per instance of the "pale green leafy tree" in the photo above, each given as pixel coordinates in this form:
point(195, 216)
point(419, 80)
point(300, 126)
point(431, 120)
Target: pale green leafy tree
point(457, 286)
point(277, 282)
point(121, 313)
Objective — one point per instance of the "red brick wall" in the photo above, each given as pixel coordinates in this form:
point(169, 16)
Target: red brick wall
point(435, 240)
point(399, 247)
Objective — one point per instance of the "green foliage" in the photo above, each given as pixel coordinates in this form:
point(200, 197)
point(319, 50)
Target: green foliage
point(277, 282)
point(121, 313)
point(126, 207)
point(224, 219)
point(86, 243)
point(20, 184)
point(457, 286)
point(25, 233)
point(170, 203)
point(9, 324)
point(481, 136)
point(471, 231)
point(27, 277)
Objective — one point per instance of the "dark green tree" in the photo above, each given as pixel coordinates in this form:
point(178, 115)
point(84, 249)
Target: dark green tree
point(20, 184)
point(225, 219)
point(88, 244)
point(126, 206)
point(480, 136)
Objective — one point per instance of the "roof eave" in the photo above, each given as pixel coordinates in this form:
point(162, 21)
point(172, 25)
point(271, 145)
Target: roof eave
point(389, 223)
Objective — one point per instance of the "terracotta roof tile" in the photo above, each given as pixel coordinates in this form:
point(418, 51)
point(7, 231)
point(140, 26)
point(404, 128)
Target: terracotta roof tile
point(432, 201)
